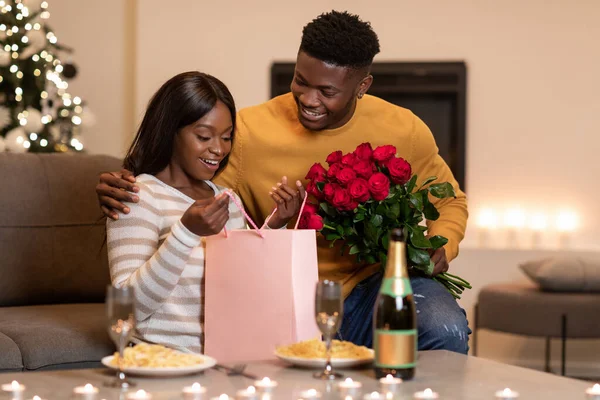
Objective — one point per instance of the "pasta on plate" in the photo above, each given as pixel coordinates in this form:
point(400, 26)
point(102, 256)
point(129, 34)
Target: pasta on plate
point(315, 348)
point(144, 355)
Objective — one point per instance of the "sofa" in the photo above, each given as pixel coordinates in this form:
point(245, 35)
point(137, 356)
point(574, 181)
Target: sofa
point(53, 262)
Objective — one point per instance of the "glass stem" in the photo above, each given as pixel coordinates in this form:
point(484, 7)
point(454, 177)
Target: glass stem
point(328, 350)
point(120, 373)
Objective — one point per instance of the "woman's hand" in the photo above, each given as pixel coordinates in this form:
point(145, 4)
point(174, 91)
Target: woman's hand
point(288, 202)
point(207, 217)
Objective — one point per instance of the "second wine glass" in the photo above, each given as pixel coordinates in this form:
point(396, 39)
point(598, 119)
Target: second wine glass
point(329, 311)
point(121, 325)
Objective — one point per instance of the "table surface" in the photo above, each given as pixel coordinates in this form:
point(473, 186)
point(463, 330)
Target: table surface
point(452, 375)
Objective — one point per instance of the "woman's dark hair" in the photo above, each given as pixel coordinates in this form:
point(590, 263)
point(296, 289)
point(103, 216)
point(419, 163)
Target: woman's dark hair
point(181, 101)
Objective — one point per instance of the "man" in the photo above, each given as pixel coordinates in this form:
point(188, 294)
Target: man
point(328, 110)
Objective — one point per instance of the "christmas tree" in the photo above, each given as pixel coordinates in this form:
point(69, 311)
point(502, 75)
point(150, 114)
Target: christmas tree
point(37, 113)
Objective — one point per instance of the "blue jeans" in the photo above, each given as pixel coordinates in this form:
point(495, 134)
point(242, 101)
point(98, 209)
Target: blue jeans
point(441, 323)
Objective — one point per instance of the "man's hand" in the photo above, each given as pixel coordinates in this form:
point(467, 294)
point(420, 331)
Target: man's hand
point(288, 202)
point(439, 259)
point(113, 189)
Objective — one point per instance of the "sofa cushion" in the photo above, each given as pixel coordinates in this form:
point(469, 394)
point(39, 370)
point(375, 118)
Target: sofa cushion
point(10, 355)
point(564, 274)
point(52, 336)
point(53, 235)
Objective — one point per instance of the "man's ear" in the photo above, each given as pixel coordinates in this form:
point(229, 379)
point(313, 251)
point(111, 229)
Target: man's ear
point(364, 85)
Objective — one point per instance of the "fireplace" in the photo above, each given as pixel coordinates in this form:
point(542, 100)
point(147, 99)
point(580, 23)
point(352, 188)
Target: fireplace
point(434, 91)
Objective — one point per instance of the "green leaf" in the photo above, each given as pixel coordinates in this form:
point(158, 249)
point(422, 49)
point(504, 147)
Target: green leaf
point(329, 210)
point(370, 259)
point(418, 256)
point(410, 185)
point(395, 210)
point(430, 212)
point(428, 180)
point(340, 230)
point(382, 258)
point(354, 250)
point(442, 190)
point(438, 241)
point(320, 186)
point(349, 230)
point(332, 236)
point(370, 232)
point(419, 240)
point(430, 267)
point(376, 220)
point(360, 216)
point(416, 199)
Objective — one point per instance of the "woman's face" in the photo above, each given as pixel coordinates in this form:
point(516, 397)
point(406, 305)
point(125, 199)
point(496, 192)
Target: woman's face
point(199, 148)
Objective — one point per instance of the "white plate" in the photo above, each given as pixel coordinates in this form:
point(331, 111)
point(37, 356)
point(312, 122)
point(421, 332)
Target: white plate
point(209, 362)
point(320, 362)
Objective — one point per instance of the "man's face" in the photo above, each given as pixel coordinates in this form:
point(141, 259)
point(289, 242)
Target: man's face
point(325, 93)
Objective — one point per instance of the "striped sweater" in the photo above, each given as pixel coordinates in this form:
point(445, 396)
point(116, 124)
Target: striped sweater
point(152, 251)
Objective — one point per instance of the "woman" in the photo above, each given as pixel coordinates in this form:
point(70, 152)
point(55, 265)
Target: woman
point(157, 248)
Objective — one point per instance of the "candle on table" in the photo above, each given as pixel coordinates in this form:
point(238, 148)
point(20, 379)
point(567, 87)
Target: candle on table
point(593, 393)
point(426, 394)
point(194, 392)
point(390, 383)
point(349, 387)
point(14, 388)
point(265, 385)
point(36, 398)
point(139, 395)
point(506, 394)
point(247, 394)
point(310, 394)
point(221, 397)
point(87, 392)
point(374, 396)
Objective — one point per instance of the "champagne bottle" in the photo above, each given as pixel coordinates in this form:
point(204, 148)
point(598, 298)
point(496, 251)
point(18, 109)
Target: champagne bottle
point(395, 318)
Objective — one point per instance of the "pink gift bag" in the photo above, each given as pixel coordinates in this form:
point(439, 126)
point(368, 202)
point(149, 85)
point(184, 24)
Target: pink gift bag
point(259, 292)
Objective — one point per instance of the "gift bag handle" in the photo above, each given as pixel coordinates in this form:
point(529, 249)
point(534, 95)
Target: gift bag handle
point(237, 203)
point(299, 213)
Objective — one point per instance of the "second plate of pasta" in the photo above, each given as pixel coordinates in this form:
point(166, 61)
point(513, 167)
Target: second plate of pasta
point(154, 360)
point(311, 354)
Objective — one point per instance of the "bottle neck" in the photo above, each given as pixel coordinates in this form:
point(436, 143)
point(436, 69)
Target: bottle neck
point(396, 262)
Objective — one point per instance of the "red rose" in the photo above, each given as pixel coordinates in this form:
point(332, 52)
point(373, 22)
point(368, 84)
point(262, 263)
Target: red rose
point(364, 169)
point(310, 221)
point(359, 190)
point(316, 172)
point(334, 157)
point(311, 188)
point(349, 160)
point(383, 154)
point(311, 208)
point(364, 152)
point(343, 201)
point(345, 176)
point(379, 186)
point(329, 190)
point(333, 170)
point(400, 170)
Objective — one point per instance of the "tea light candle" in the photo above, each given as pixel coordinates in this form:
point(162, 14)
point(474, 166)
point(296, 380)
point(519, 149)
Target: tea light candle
point(390, 384)
point(139, 395)
point(36, 398)
point(87, 392)
point(265, 385)
point(593, 393)
point(247, 394)
point(374, 396)
point(310, 394)
point(14, 388)
point(194, 392)
point(426, 394)
point(221, 397)
point(349, 387)
point(506, 394)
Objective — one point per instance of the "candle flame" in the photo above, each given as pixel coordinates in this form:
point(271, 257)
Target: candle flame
point(507, 391)
point(428, 392)
point(266, 380)
point(349, 380)
point(312, 392)
point(251, 389)
point(389, 377)
point(596, 386)
point(223, 397)
point(374, 395)
point(140, 394)
point(196, 386)
point(15, 385)
point(37, 398)
point(88, 387)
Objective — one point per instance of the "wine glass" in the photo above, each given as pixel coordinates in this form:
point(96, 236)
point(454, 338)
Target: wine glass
point(121, 324)
point(329, 311)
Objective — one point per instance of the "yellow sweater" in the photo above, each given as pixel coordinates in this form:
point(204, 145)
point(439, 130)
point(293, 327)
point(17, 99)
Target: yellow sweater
point(270, 143)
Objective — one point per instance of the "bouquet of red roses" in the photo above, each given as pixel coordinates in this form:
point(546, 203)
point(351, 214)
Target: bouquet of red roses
point(366, 194)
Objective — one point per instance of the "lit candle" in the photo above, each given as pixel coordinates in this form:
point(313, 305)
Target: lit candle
point(247, 394)
point(87, 392)
point(36, 398)
point(426, 394)
point(310, 394)
point(349, 387)
point(506, 394)
point(265, 385)
point(374, 396)
point(593, 393)
point(139, 395)
point(221, 397)
point(390, 384)
point(194, 392)
point(15, 389)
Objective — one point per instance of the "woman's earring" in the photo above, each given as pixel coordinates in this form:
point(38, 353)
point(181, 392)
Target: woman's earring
point(360, 95)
